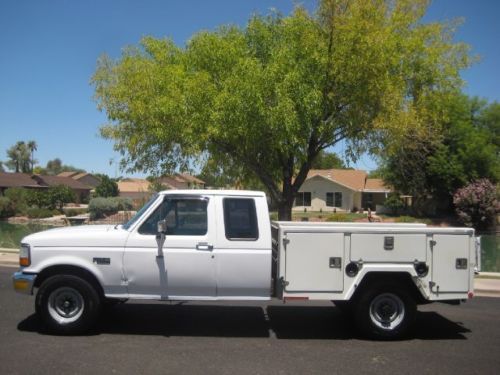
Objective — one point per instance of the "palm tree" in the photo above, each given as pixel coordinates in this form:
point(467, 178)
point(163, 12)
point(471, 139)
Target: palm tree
point(18, 157)
point(32, 147)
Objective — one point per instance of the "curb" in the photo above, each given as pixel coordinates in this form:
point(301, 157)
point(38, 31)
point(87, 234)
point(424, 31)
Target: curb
point(13, 251)
point(486, 293)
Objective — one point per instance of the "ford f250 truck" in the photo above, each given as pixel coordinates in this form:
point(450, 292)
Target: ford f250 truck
point(215, 245)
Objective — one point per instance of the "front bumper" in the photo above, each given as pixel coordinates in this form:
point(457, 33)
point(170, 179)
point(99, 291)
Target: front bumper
point(23, 282)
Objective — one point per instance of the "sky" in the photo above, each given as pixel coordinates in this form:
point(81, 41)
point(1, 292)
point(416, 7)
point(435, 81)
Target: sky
point(49, 49)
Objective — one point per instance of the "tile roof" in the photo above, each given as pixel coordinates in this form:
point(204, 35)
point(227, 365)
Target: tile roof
point(79, 175)
point(59, 180)
point(190, 178)
point(376, 185)
point(351, 178)
point(67, 174)
point(16, 180)
point(133, 185)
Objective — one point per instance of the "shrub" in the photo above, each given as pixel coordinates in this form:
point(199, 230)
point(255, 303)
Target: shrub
point(107, 188)
point(59, 195)
point(355, 209)
point(394, 203)
point(101, 207)
point(74, 211)
point(337, 217)
point(273, 216)
point(39, 213)
point(477, 204)
point(37, 198)
point(6, 207)
point(17, 198)
point(124, 204)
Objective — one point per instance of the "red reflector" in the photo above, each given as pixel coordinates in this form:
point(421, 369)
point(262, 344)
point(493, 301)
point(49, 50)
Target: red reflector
point(470, 295)
point(296, 298)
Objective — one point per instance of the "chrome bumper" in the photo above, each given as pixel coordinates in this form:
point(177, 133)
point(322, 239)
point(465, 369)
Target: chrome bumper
point(23, 283)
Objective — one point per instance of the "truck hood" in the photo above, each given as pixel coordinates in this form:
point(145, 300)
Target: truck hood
point(79, 236)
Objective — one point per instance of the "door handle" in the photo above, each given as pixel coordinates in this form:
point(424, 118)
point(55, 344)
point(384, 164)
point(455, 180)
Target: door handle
point(204, 246)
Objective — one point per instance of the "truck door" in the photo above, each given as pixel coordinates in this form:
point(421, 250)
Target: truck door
point(243, 251)
point(450, 263)
point(314, 262)
point(186, 269)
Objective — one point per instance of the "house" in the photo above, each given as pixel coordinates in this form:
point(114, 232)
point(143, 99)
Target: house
point(84, 177)
point(182, 181)
point(27, 181)
point(340, 189)
point(18, 180)
point(82, 191)
point(136, 189)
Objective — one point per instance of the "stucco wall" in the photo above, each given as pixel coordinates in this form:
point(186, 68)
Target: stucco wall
point(319, 186)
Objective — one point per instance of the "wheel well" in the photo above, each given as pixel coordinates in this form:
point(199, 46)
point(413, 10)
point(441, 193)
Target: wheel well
point(402, 279)
point(69, 270)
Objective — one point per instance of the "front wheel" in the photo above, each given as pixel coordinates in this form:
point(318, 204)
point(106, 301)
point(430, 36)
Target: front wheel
point(385, 312)
point(67, 304)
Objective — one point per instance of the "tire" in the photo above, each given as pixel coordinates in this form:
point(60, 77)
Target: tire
point(385, 311)
point(67, 304)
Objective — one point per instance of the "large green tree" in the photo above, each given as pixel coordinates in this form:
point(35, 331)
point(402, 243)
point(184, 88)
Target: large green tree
point(271, 96)
point(465, 149)
point(56, 166)
point(328, 160)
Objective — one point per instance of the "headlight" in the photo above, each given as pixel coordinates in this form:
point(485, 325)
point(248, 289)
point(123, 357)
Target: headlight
point(24, 255)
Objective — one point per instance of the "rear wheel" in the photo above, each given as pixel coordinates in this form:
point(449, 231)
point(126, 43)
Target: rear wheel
point(385, 311)
point(67, 304)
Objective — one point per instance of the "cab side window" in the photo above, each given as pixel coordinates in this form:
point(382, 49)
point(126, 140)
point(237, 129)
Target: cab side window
point(184, 217)
point(240, 219)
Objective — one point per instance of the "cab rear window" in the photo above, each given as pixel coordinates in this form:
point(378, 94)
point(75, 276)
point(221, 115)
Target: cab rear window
point(240, 219)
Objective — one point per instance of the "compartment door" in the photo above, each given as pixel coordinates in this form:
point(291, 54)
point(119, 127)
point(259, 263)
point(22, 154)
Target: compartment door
point(450, 263)
point(314, 262)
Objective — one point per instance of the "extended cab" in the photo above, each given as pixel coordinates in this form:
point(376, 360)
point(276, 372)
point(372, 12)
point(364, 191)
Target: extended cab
point(220, 245)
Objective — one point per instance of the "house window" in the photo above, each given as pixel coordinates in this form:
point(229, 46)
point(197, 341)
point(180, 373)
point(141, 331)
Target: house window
point(329, 199)
point(240, 219)
point(338, 199)
point(303, 198)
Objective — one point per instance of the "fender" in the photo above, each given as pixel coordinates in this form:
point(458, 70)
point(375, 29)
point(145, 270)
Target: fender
point(352, 284)
point(108, 275)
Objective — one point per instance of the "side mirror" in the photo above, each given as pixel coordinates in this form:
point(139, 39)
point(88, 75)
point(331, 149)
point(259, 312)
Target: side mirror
point(162, 226)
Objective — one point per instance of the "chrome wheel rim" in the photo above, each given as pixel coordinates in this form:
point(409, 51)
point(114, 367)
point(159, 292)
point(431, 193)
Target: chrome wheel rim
point(66, 305)
point(387, 311)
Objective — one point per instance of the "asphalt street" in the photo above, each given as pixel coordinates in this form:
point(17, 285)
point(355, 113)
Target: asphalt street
point(247, 338)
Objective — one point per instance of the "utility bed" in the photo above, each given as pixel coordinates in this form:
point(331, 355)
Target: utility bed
point(330, 260)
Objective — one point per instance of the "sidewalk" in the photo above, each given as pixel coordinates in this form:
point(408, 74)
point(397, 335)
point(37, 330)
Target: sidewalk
point(486, 284)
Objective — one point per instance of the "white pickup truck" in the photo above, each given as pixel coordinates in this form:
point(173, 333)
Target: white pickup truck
point(215, 245)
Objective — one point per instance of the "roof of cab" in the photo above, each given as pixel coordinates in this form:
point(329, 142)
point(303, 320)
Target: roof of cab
point(245, 193)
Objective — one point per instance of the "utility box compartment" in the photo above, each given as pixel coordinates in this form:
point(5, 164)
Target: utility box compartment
point(450, 263)
point(388, 247)
point(314, 262)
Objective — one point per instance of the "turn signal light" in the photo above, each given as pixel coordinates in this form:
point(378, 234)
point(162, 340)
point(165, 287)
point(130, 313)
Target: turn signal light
point(24, 255)
point(25, 262)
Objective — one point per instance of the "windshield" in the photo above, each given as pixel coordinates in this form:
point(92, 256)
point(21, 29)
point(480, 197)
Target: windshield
point(140, 212)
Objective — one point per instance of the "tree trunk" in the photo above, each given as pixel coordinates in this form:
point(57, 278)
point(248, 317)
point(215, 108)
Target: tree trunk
point(285, 211)
point(285, 204)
